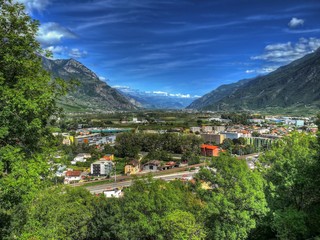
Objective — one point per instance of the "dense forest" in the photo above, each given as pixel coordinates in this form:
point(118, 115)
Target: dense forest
point(280, 199)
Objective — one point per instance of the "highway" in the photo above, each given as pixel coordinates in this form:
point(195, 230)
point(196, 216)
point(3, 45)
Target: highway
point(169, 177)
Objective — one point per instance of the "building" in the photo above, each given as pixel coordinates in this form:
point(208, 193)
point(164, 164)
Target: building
point(219, 128)
point(232, 135)
point(115, 192)
point(169, 165)
point(153, 165)
point(90, 139)
point(108, 157)
point(299, 123)
point(132, 168)
point(72, 176)
point(101, 168)
point(81, 157)
point(213, 138)
point(207, 129)
point(195, 129)
point(210, 150)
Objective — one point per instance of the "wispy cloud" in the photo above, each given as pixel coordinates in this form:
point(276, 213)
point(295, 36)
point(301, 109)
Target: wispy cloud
point(63, 51)
point(263, 70)
point(287, 52)
point(189, 27)
point(76, 53)
point(32, 5)
point(267, 17)
point(295, 22)
point(52, 33)
point(103, 79)
point(302, 31)
point(106, 19)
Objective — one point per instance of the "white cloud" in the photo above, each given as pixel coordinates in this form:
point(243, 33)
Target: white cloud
point(63, 52)
point(51, 33)
point(160, 93)
point(179, 95)
point(38, 5)
point(59, 50)
point(120, 86)
point(154, 93)
point(295, 22)
point(263, 70)
point(76, 53)
point(103, 79)
point(268, 69)
point(287, 52)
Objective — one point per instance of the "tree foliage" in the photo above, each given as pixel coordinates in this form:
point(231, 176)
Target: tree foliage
point(293, 194)
point(237, 200)
point(147, 208)
point(59, 213)
point(27, 101)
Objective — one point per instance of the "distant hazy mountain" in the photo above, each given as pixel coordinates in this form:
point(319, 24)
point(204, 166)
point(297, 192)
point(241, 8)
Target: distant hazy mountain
point(156, 101)
point(92, 94)
point(296, 85)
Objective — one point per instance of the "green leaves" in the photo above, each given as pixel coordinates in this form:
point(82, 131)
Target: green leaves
point(292, 191)
point(237, 200)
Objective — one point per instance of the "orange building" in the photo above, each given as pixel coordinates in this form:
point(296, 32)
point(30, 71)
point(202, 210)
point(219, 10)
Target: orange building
point(210, 150)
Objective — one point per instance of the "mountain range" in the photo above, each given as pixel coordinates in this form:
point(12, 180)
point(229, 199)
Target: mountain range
point(156, 100)
point(90, 94)
point(290, 87)
point(294, 86)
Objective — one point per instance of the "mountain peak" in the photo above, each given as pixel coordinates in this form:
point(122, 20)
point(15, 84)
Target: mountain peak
point(92, 94)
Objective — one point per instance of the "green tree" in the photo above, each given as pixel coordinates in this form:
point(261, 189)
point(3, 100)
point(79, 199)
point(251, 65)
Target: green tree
point(293, 193)
point(27, 100)
point(237, 200)
point(128, 145)
point(146, 205)
point(227, 144)
point(179, 225)
point(59, 213)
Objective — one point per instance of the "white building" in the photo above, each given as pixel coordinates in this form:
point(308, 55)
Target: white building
point(109, 193)
point(207, 129)
point(195, 129)
point(232, 135)
point(72, 176)
point(81, 157)
point(101, 168)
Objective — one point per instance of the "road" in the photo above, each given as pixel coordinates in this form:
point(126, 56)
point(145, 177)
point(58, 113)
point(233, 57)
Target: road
point(169, 177)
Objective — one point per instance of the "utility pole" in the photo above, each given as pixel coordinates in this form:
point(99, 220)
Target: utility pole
point(115, 172)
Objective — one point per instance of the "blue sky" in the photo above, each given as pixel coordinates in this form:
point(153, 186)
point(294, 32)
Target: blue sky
point(178, 47)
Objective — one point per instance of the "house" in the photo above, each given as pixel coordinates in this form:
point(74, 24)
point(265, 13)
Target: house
point(108, 157)
point(132, 168)
point(101, 168)
point(232, 135)
point(169, 165)
point(61, 171)
point(210, 150)
point(207, 129)
point(72, 176)
point(115, 192)
point(195, 129)
point(81, 157)
point(213, 138)
point(153, 165)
